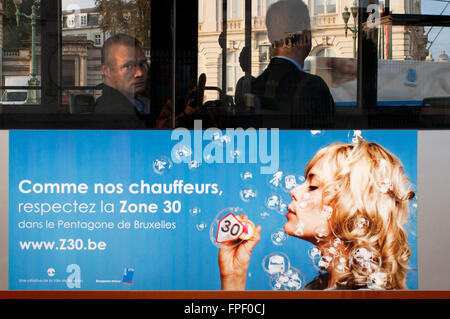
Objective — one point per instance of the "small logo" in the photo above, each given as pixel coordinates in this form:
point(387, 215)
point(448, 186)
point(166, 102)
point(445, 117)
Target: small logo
point(128, 276)
point(74, 278)
point(411, 78)
point(411, 75)
point(51, 272)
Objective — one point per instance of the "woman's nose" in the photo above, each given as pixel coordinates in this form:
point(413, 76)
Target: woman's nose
point(296, 193)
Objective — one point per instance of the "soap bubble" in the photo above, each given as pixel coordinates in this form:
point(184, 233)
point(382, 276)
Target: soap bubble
point(275, 283)
point(161, 165)
point(248, 193)
point(354, 136)
point(317, 133)
point(340, 264)
point(362, 223)
point(299, 230)
point(201, 226)
point(214, 226)
point(377, 280)
point(282, 207)
point(326, 212)
point(246, 175)
point(279, 237)
point(314, 252)
point(225, 139)
point(272, 201)
point(264, 214)
point(181, 153)
point(194, 164)
point(275, 263)
point(194, 211)
point(236, 154)
point(216, 136)
point(321, 233)
point(275, 180)
point(322, 263)
point(291, 181)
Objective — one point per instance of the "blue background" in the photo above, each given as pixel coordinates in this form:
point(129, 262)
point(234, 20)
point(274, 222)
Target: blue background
point(180, 259)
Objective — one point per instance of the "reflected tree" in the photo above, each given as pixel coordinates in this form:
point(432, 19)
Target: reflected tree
point(14, 35)
point(126, 16)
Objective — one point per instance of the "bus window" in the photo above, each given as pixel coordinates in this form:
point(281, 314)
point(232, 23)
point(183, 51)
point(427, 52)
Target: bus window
point(86, 26)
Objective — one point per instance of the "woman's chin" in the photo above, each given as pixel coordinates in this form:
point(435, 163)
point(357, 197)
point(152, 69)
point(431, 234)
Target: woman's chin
point(290, 229)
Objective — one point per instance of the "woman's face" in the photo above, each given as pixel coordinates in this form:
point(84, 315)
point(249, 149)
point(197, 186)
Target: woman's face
point(307, 216)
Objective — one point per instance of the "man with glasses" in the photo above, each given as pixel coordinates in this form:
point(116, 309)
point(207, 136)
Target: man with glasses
point(125, 71)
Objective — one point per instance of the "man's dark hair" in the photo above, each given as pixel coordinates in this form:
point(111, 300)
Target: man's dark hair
point(119, 38)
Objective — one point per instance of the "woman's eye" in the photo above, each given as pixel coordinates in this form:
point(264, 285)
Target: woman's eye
point(312, 188)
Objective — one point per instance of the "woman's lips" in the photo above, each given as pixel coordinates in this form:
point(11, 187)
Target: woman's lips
point(290, 211)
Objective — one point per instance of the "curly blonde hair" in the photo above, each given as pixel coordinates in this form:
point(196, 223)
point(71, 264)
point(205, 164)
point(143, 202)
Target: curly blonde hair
point(369, 194)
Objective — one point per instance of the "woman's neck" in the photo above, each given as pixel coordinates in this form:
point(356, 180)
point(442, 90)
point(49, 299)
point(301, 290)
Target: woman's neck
point(338, 266)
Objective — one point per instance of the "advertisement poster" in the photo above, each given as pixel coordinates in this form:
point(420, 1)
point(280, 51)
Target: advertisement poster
point(405, 83)
point(148, 210)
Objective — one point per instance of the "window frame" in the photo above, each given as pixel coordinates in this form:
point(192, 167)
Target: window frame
point(51, 80)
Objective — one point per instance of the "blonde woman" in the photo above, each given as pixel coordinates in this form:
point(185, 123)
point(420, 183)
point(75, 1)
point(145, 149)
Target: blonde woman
point(352, 207)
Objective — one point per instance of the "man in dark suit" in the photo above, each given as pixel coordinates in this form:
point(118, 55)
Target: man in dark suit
point(125, 70)
point(290, 97)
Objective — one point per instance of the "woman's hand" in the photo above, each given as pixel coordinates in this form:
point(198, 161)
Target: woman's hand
point(234, 261)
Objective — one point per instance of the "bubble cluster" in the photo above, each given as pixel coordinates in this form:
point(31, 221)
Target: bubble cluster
point(293, 279)
point(282, 276)
point(331, 254)
point(161, 165)
point(278, 237)
point(364, 260)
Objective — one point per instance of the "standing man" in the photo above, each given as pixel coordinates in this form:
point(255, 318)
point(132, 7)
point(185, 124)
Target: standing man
point(288, 95)
point(125, 70)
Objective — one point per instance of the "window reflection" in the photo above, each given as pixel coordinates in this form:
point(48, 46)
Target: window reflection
point(20, 61)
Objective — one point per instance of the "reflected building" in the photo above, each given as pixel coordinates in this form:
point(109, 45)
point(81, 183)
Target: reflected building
point(82, 40)
point(328, 36)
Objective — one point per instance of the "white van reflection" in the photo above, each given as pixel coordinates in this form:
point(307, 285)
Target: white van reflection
point(13, 97)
